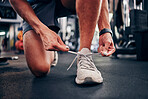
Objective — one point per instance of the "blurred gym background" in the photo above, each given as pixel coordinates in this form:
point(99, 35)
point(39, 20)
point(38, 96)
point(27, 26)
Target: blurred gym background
point(128, 19)
point(125, 73)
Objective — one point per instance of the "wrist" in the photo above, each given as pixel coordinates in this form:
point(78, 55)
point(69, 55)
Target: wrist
point(38, 28)
point(105, 30)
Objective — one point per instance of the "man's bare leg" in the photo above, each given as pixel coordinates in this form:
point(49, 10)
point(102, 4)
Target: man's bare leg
point(38, 59)
point(88, 13)
point(38, 44)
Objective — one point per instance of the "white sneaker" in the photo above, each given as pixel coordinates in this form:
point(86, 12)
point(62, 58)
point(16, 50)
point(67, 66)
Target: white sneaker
point(55, 61)
point(86, 69)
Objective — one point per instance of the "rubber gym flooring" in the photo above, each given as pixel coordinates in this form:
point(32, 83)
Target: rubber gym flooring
point(124, 78)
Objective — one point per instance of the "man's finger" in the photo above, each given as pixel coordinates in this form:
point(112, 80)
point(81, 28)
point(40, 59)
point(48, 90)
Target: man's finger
point(60, 41)
point(61, 47)
point(103, 51)
point(111, 51)
point(52, 49)
point(107, 45)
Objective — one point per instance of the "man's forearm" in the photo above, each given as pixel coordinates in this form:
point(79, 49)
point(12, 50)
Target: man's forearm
point(103, 21)
point(23, 8)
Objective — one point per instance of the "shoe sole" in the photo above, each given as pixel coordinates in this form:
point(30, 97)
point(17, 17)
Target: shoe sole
point(88, 80)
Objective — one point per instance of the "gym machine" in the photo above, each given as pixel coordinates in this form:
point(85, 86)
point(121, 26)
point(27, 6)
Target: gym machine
point(7, 15)
point(123, 38)
point(134, 33)
point(139, 26)
point(3, 60)
point(69, 31)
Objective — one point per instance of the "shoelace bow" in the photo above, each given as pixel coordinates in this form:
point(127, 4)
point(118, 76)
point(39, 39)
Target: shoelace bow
point(79, 54)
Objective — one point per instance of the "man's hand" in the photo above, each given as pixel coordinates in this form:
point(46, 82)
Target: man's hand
point(51, 41)
point(106, 45)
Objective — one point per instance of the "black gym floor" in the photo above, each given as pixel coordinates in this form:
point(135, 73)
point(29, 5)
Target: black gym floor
point(124, 78)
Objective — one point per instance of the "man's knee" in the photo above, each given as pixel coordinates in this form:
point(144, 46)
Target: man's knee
point(40, 70)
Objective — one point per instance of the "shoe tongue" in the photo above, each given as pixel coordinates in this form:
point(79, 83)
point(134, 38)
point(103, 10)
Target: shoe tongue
point(85, 51)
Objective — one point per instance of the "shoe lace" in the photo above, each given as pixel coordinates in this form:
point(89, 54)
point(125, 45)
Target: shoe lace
point(83, 59)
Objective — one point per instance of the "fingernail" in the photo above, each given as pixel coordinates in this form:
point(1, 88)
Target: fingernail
point(67, 47)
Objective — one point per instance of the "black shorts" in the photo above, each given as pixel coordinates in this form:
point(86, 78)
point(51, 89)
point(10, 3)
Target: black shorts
point(48, 11)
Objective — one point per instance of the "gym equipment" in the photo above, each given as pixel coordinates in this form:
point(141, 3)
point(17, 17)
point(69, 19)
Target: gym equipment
point(19, 42)
point(19, 45)
point(140, 29)
point(71, 35)
point(3, 60)
point(137, 2)
point(123, 38)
